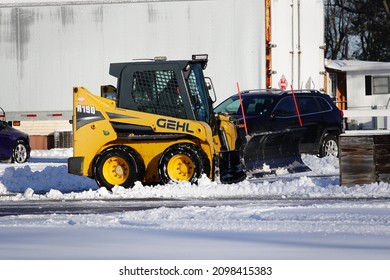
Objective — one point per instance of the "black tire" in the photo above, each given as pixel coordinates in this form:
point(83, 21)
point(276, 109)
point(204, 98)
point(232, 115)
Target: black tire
point(19, 153)
point(183, 162)
point(330, 146)
point(118, 165)
point(205, 164)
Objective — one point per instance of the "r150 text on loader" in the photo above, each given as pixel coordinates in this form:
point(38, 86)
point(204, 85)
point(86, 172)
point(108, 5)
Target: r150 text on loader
point(158, 126)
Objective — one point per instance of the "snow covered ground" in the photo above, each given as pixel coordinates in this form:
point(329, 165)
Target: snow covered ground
point(305, 217)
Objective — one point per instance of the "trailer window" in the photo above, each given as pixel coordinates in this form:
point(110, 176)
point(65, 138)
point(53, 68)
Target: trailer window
point(381, 85)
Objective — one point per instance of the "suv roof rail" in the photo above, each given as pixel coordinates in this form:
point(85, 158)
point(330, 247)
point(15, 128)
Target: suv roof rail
point(302, 91)
point(268, 90)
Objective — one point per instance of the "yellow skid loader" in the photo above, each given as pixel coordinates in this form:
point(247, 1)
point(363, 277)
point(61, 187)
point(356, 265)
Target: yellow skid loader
point(156, 126)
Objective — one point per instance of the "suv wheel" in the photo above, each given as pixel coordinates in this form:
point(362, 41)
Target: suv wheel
point(330, 146)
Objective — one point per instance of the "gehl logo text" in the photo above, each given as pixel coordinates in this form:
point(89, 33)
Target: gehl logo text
point(174, 125)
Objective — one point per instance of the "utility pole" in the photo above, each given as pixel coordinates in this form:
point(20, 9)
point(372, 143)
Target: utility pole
point(268, 47)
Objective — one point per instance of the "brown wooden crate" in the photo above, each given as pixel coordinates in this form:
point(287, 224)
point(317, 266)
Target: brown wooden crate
point(382, 139)
point(364, 159)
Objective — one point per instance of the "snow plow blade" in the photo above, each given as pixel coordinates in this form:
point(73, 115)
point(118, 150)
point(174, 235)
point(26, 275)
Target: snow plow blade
point(267, 152)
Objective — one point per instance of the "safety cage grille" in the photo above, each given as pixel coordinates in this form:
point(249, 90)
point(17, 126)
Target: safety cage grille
point(158, 92)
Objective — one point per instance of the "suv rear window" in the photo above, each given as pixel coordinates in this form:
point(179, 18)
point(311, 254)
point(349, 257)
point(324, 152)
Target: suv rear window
point(324, 105)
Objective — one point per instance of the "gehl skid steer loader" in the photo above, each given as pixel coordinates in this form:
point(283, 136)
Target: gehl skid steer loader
point(156, 126)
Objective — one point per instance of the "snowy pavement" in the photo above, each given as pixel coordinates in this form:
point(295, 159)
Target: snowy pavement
point(309, 216)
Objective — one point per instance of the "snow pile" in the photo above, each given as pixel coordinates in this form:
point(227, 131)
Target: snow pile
point(295, 216)
point(45, 176)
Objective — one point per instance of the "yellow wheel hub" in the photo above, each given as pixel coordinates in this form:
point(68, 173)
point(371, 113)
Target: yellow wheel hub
point(116, 170)
point(180, 168)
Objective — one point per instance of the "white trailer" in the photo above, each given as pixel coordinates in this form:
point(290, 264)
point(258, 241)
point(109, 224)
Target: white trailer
point(47, 47)
point(297, 43)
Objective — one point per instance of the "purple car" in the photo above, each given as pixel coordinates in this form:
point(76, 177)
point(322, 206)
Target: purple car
point(14, 144)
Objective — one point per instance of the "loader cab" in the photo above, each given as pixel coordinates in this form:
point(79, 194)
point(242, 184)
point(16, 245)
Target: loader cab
point(169, 88)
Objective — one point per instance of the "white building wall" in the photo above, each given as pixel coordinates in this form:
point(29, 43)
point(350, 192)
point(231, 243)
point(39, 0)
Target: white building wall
point(47, 47)
point(356, 89)
point(358, 100)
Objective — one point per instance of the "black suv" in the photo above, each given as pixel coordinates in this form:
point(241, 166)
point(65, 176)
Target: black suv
point(270, 110)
